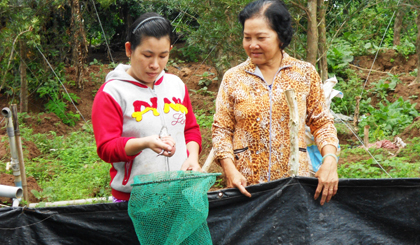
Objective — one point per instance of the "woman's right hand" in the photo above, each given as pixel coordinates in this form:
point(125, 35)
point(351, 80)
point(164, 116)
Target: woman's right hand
point(164, 146)
point(233, 177)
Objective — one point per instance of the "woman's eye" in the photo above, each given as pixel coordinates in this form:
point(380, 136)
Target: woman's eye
point(261, 38)
point(147, 56)
point(163, 57)
point(247, 38)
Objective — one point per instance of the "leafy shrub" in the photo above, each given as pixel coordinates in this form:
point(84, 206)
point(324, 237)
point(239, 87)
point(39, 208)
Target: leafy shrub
point(391, 119)
point(371, 48)
point(59, 108)
point(383, 86)
point(56, 103)
point(407, 48)
point(339, 56)
point(414, 72)
point(205, 80)
point(351, 87)
point(190, 53)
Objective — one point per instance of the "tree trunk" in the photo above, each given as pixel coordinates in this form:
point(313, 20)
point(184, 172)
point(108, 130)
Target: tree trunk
point(418, 47)
point(128, 21)
point(79, 48)
point(312, 34)
point(322, 41)
point(23, 81)
point(398, 25)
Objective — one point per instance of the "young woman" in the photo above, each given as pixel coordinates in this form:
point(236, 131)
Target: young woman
point(133, 105)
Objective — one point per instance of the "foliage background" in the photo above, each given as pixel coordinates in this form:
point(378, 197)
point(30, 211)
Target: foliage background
point(208, 32)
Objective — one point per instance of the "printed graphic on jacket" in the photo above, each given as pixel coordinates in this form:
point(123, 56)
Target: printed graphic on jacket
point(138, 113)
point(176, 105)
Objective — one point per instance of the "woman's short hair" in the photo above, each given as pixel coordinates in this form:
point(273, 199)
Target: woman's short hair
point(275, 11)
point(149, 25)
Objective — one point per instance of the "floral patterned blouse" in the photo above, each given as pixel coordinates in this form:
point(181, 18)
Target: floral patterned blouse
point(251, 121)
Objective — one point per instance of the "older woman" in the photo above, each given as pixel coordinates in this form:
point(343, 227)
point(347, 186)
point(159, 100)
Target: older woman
point(250, 130)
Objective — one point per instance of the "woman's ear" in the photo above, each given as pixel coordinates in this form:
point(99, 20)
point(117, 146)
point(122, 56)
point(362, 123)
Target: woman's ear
point(128, 49)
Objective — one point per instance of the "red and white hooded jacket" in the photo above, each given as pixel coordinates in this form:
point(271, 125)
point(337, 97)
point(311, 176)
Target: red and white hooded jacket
point(125, 108)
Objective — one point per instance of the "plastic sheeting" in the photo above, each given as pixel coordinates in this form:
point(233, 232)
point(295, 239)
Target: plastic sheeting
point(364, 211)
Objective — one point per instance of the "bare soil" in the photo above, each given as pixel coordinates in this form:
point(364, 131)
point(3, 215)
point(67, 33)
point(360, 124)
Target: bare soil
point(393, 63)
point(189, 73)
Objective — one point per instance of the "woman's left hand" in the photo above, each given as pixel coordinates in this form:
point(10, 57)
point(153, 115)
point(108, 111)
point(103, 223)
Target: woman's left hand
point(192, 161)
point(327, 180)
point(191, 164)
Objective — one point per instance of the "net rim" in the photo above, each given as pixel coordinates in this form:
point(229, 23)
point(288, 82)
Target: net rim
point(204, 175)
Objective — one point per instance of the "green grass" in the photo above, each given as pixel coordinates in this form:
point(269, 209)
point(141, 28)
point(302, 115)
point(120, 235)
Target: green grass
point(69, 167)
point(405, 165)
point(204, 118)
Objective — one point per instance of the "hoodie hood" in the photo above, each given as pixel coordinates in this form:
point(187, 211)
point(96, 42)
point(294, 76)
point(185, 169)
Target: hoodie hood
point(120, 73)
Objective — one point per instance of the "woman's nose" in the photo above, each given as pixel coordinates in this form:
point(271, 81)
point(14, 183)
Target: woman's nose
point(254, 45)
point(154, 64)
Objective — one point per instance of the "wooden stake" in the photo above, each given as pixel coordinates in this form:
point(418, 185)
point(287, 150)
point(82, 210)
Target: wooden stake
point(366, 138)
point(294, 129)
point(20, 152)
point(209, 161)
point(356, 112)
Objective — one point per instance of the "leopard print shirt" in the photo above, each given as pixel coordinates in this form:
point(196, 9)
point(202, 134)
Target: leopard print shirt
point(243, 121)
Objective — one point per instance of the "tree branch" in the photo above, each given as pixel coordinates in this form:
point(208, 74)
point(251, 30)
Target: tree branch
point(189, 15)
point(301, 7)
point(11, 55)
point(364, 69)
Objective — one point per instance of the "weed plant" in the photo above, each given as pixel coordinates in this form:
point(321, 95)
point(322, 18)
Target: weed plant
point(204, 118)
point(406, 49)
point(69, 167)
point(385, 85)
point(205, 80)
point(390, 118)
point(405, 165)
point(349, 84)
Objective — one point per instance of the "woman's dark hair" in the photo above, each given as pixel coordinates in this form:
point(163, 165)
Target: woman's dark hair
point(149, 25)
point(276, 13)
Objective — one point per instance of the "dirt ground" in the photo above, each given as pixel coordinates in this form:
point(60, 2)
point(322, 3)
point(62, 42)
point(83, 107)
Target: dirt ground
point(188, 72)
point(382, 66)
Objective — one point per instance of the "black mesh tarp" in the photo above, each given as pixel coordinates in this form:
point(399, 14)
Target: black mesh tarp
point(364, 211)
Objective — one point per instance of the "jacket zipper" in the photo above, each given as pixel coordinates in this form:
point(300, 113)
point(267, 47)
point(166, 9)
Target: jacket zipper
point(127, 173)
point(271, 119)
point(271, 104)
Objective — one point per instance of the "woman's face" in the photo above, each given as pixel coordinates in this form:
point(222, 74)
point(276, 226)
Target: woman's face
point(148, 59)
point(261, 43)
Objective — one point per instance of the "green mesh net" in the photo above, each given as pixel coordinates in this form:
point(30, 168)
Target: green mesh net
point(171, 207)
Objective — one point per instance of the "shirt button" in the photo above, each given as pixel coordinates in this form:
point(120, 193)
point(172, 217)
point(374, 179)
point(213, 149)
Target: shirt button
point(257, 152)
point(258, 90)
point(258, 119)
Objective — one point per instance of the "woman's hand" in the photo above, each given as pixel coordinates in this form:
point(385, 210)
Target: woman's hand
point(327, 179)
point(192, 161)
point(191, 164)
point(233, 177)
point(164, 146)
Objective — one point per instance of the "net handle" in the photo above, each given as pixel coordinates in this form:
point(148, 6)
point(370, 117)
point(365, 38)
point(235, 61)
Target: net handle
point(181, 178)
